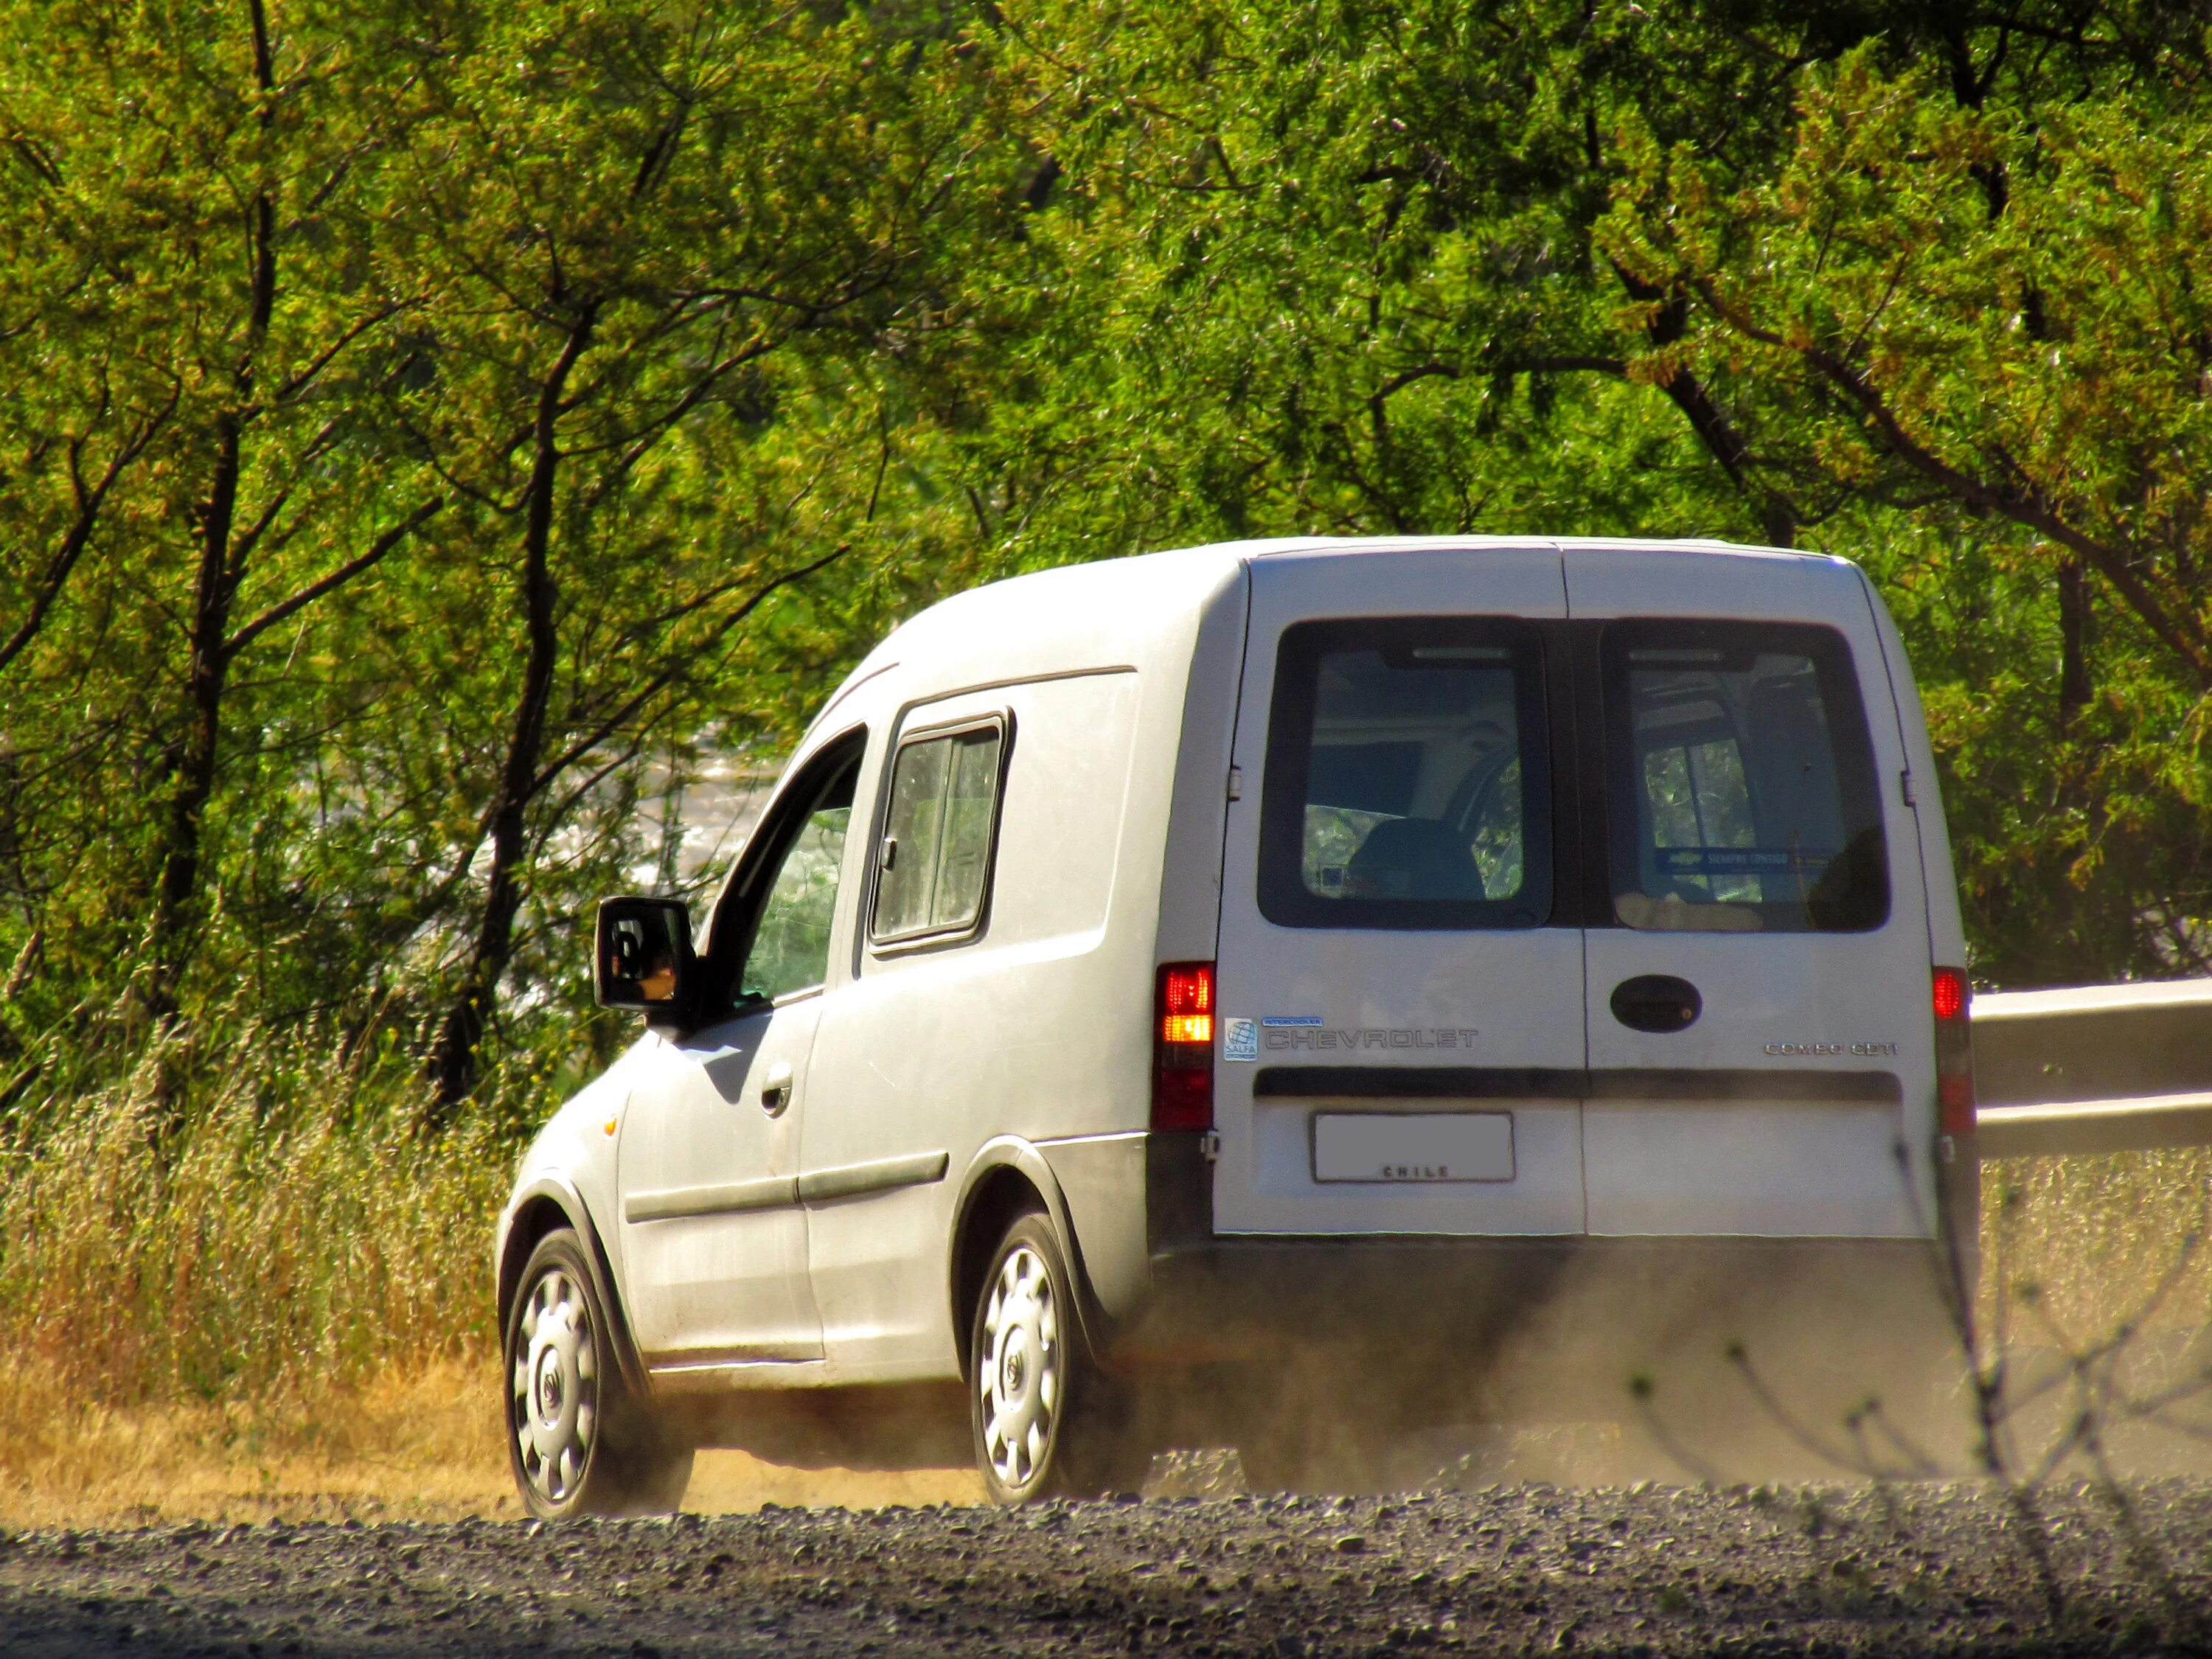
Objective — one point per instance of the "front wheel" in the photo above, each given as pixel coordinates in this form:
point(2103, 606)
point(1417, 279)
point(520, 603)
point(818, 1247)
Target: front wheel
point(578, 1442)
point(1048, 1424)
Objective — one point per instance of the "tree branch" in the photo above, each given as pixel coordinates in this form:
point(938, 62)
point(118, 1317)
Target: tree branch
point(79, 535)
point(299, 382)
point(674, 669)
point(1778, 515)
point(2184, 635)
point(338, 578)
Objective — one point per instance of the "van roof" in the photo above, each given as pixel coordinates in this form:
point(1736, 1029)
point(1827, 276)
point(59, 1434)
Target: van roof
point(1111, 609)
point(1290, 546)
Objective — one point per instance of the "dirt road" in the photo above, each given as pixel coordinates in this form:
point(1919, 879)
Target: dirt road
point(1646, 1571)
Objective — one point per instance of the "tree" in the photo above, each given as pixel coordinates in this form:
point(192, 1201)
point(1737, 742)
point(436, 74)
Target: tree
point(419, 436)
point(1325, 266)
point(189, 196)
point(624, 218)
point(2029, 367)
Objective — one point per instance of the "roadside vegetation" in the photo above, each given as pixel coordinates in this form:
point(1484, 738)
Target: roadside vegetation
point(285, 1308)
point(433, 434)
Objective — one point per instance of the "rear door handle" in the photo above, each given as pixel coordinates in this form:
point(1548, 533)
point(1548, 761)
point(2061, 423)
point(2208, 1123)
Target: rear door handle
point(1658, 1002)
point(776, 1091)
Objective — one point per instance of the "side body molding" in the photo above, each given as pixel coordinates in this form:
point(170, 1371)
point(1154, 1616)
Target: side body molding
point(883, 1175)
point(769, 1192)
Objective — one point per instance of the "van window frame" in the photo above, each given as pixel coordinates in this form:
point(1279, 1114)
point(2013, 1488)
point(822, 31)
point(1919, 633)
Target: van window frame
point(1536, 664)
point(883, 946)
point(1851, 737)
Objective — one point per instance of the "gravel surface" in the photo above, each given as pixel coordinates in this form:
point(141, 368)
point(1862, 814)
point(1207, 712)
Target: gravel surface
point(1522, 1568)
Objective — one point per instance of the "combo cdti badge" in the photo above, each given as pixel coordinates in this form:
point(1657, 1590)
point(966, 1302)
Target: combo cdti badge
point(1247, 995)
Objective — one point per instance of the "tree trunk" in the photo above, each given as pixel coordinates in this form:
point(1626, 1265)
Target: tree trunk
point(455, 1060)
point(192, 769)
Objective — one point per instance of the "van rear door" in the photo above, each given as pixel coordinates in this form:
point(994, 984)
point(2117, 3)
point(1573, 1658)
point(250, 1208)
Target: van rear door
point(1759, 1038)
point(1401, 1033)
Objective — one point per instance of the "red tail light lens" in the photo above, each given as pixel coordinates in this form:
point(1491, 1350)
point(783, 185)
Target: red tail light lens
point(1183, 1047)
point(1954, 1054)
point(1950, 993)
point(1187, 1002)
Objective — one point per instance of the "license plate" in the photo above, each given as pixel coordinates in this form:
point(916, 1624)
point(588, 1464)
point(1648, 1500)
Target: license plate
point(1403, 1147)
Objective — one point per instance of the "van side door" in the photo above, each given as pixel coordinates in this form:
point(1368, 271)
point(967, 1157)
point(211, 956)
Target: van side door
point(714, 1238)
point(1759, 1020)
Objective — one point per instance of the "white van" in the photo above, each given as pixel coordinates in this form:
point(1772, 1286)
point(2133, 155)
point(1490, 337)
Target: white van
point(1201, 994)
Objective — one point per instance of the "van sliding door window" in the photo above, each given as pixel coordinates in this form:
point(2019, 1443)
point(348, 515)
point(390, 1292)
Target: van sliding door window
point(934, 867)
point(1407, 783)
point(1742, 795)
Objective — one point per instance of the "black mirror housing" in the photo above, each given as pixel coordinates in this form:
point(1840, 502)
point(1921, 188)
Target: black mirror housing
point(641, 957)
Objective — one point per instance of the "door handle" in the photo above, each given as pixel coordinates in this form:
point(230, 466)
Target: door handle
point(1658, 1002)
point(776, 1091)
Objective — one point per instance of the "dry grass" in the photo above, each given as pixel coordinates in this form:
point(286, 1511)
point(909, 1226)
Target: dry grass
point(2097, 1294)
point(283, 1310)
point(2078, 1246)
point(423, 1445)
point(298, 1235)
point(420, 1445)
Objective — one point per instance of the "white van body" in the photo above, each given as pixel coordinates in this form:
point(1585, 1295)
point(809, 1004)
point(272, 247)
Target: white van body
point(1430, 1128)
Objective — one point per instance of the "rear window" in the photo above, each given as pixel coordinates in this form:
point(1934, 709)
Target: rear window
point(1406, 781)
point(1742, 795)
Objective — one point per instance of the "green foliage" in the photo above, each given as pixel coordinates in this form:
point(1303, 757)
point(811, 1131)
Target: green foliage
point(437, 426)
point(437, 436)
point(1341, 268)
point(1989, 333)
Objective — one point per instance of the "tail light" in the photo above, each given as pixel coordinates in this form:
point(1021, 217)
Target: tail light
point(1954, 1054)
point(1183, 1047)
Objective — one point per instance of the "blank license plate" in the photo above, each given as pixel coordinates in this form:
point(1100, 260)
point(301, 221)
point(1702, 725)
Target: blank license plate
point(1413, 1147)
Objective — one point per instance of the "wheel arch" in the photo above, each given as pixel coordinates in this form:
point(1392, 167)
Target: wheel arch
point(1007, 1178)
point(546, 1205)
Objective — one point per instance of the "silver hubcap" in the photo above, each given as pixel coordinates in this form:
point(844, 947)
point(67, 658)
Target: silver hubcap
point(1018, 1372)
point(555, 1387)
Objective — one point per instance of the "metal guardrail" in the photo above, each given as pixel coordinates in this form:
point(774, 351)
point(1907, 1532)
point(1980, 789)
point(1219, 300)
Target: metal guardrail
point(2096, 1068)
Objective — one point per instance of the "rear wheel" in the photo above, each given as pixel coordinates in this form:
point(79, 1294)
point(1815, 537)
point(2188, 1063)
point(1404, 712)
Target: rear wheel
point(577, 1441)
point(1046, 1423)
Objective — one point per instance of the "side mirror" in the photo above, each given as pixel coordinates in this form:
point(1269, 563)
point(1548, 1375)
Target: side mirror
point(641, 955)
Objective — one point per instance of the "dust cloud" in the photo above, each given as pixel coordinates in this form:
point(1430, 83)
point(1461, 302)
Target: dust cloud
point(1770, 1363)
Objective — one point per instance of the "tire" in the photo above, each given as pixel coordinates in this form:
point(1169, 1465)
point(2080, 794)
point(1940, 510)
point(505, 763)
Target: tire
point(1047, 1422)
point(578, 1442)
